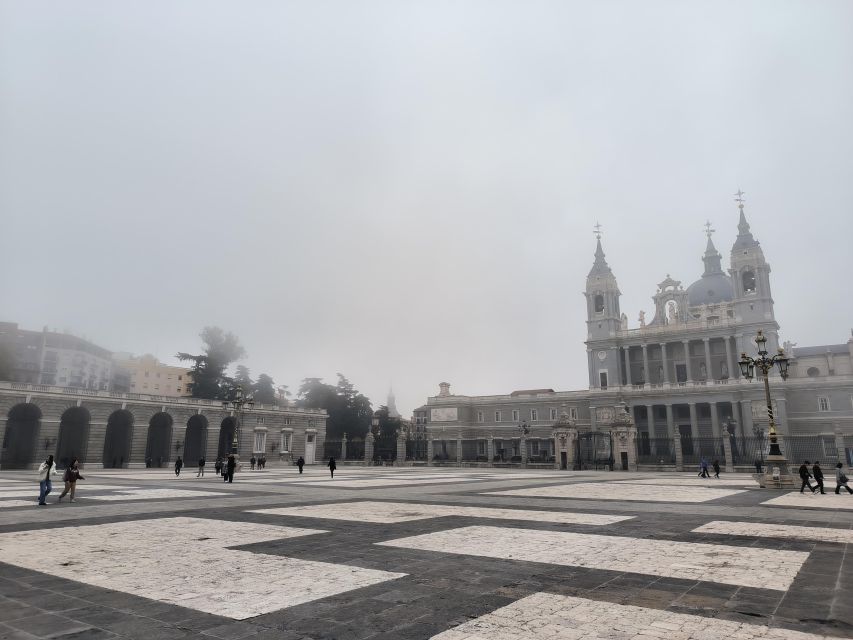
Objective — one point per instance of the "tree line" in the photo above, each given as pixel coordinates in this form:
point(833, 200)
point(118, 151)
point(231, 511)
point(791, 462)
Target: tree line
point(349, 410)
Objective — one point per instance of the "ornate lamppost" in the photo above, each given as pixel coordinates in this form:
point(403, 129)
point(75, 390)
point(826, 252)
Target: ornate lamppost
point(236, 401)
point(765, 364)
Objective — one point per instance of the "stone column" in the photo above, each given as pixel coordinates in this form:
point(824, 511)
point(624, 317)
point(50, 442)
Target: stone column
point(571, 438)
point(647, 375)
point(523, 451)
point(738, 337)
point(627, 352)
point(686, 344)
point(368, 449)
point(664, 363)
point(727, 453)
point(708, 369)
point(679, 456)
point(694, 424)
point(490, 450)
point(839, 444)
point(715, 419)
point(670, 422)
point(780, 412)
point(746, 417)
point(650, 421)
point(430, 450)
point(401, 450)
point(632, 448)
point(459, 450)
point(592, 419)
point(344, 447)
point(730, 363)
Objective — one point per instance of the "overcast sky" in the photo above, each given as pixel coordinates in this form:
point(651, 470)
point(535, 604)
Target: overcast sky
point(405, 191)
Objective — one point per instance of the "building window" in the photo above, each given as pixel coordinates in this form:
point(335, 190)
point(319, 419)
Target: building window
point(599, 304)
point(534, 415)
point(553, 414)
point(748, 279)
point(813, 372)
point(515, 415)
point(534, 447)
point(287, 421)
point(573, 413)
point(481, 447)
point(180, 377)
point(602, 379)
point(829, 450)
point(259, 419)
point(822, 404)
point(497, 416)
point(479, 416)
point(260, 441)
point(285, 442)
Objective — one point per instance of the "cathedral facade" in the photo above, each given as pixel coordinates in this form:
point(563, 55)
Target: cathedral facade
point(670, 391)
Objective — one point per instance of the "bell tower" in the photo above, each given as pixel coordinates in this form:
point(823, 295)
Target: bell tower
point(750, 274)
point(603, 320)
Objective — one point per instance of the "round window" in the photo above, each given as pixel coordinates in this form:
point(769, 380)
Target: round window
point(813, 372)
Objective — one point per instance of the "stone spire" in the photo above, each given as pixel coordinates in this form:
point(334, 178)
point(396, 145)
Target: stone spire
point(600, 266)
point(712, 258)
point(392, 404)
point(744, 235)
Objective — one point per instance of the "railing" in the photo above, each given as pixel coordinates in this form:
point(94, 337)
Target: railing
point(655, 451)
point(677, 327)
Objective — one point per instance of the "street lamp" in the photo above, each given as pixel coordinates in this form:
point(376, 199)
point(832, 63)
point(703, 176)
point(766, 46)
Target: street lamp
point(764, 364)
point(236, 402)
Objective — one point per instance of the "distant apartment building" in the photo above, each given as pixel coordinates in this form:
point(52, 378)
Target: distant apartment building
point(146, 374)
point(53, 358)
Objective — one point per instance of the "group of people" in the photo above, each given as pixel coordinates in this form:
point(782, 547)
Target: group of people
point(703, 468)
point(71, 476)
point(816, 472)
point(261, 462)
point(225, 468)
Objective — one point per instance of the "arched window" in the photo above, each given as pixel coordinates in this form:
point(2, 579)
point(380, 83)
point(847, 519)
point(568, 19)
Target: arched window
point(748, 279)
point(599, 303)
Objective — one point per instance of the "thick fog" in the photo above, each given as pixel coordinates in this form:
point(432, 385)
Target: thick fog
point(405, 191)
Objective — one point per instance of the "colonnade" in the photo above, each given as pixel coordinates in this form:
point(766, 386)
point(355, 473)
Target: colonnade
point(635, 361)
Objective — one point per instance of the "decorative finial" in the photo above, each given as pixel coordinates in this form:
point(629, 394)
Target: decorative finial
point(597, 230)
point(739, 198)
point(708, 230)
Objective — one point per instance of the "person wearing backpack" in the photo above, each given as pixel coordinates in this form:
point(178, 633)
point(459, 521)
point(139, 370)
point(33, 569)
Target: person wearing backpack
point(841, 479)
point(72, 475)
point(46, 469)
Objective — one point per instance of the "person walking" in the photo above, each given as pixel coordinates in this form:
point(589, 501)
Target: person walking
point(72, 475)
point(200, 467)
point(703, 468)
point(332, 466)
point(716, 465)
point(46, 469)
point(178, 464)
point(231, 465)
point(252, 462)
point(817, 472)
point(217, 466)
point(300, 463)
point(841, 479)
point(804, 476)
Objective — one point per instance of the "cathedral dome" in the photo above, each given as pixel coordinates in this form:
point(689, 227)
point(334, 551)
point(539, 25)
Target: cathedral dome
point(710, 289)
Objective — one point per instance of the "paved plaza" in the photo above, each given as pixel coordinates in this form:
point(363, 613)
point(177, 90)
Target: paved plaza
point(406, 553)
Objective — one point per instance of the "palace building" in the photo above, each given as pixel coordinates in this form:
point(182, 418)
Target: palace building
point(668, 392)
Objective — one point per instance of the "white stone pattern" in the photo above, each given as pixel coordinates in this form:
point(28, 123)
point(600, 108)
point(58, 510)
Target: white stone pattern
point(546, 616)
point(391, 512)
point(784, 531)
point(387, 482)
point(187, 562)
point(741, 480)
point(8, 504)
point(614, 491)
point(744, 566)
point(151, 494)
point(813, 501)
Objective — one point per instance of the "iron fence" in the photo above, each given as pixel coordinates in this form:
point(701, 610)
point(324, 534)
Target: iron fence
point(416, 449)
point(444, 450)
point(355, 449)
point(540, 450)
point(812, 448)
point(507, 450)
point(474, 451)
point(331, 449)
point(694, 449)
point(656, 451)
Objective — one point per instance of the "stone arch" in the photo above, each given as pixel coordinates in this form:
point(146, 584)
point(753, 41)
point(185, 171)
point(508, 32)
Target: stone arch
point(73, 435)
point(748, 280)
point(20, 439)
point(117, 439)
point(226, 437)
point(195, 439)
point(158, 448)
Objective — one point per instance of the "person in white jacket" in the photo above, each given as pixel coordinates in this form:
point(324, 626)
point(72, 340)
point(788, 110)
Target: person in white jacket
point(46, 469)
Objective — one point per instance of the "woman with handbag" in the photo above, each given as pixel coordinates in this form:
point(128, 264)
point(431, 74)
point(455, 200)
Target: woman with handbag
point(841, 479)
point(46, 469)
point(72, 475)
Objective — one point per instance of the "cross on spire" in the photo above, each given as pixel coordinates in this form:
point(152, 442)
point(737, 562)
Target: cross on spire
point(708, 230)
point(739, 198)
point(597, 230)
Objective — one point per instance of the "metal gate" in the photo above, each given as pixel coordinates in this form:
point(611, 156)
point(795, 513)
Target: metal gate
point(593, 450)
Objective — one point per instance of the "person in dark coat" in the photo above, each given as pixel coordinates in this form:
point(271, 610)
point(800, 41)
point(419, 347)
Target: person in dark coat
point(804, 476)
point(200, 468)
point(300, 463)
point(231, 465)
point(716, 465)
point(817, 472)
point(178, 464)
point(252, 462)
point(217, 466)
point(332, 466)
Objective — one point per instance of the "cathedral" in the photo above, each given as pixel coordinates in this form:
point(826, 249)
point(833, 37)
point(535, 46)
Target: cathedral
point(670, 391)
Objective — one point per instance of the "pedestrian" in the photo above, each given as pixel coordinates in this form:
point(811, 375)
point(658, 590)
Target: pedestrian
point(757, 466)
point(148, 462)
point(332, 466)
point(232, 464)
point(263, 462)
point(300, 463)
point(703, 468)
point(252, 462)
point(841, 479)
point(804, 476)
point(817, 472)
point(200, 467)
point(716, 465)
point(178, 464)
point(217, 466)
point(46, 469)
point(72, 475)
